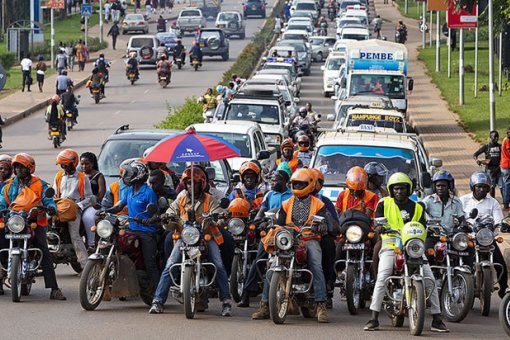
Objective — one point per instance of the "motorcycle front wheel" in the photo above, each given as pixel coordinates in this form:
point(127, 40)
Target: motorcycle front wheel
point(278, 305)
point(417, 308)
point(504, 313)
point(91, 285)
point(189, 292)
point(163, 83)
point(352, 289)
point(486, 291)
point(76, 267)
point(97, 97)
point(16, 278)
point(56, 142)
point(236, 278)
point(457, 303)
point(132, 82)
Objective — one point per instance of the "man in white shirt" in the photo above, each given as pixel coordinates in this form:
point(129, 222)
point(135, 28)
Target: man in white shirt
point(480, 184)
point(26, 69)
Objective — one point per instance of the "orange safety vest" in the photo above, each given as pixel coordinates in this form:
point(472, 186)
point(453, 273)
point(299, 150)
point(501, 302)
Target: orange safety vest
point(215, 231)
point(293, 163)
point(316, 206)
point(81, 183)
point(366, 198)
point(37, 187)
point(255, 203)
point(115, 189)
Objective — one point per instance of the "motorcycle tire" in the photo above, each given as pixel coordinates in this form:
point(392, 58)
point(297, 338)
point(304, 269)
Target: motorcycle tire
point(97, 97)
point(26, 288)
point(309, 313)
point(76, 267)
point(196, 67)
point(277, 308)
point(352, 289)
point(16, 278)
point(56, 142)
point(132, 82)
point(189, 293)
point(91, 275)
point(416, 319)
point(236, 278)
point(179, 65)
point(486, 291)
point(467, 286)
point(504, 313)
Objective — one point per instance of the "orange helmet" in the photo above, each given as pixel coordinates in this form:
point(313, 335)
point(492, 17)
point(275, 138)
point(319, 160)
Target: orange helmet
point(55, 98)
point(287, 143)
point(249, 166)
point(319, 178)
point(198, 176)
point(67, 157)
point(303, 139)
point(239, 208)
point(356, 178)
point(302, 182)
point(26, 160)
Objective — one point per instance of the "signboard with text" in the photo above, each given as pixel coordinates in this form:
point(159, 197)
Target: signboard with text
point(462, 18)
point(57, 4)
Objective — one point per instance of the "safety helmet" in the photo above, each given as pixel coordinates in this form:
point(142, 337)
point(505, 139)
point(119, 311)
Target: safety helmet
point(55, 99)
point(443, 175)
point(67, 157)
point(199, 176)
point(302, 175)
point(318, 178)
point(374, 168)
point(356, 178)
point(399, 178)
point(303, 109)
point(284, 166)
point(26, 160)
point(135, 172)
point(219, 89)
point(479, 177)
point(101, 55)
point(6, 159)
point(247, 166)
point(287, 143)
point(239, 207)
point(124, 164)
point(305, 140)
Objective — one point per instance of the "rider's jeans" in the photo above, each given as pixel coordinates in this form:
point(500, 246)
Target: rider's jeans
point(385, 269)
point(314, 255)
point(76, 239)
point(213, 254)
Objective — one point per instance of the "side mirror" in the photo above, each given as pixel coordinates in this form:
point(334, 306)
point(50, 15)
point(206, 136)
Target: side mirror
point(330, 117)
point(163, 204)
point(426, 180)
point(152, 208)
point(436, 162)
point(50, 192)
point(318, 219)
point(381, 221)
point(323, 68)
point(211, 173)
point(410, 86)
point(263, 154)
point(473, 213)
point(224, 203)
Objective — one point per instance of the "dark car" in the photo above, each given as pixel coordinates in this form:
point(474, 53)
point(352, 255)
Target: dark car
point(254, 7)
point(210, 9)
point(213, 42)
point(125, 143)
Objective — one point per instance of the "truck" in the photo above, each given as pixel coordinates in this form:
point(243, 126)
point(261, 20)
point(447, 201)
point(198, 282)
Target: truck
point(375, 67)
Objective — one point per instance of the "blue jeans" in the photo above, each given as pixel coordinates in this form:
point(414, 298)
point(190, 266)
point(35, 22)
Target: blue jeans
point(314, 255)
point(213, 254)
point(505, 178)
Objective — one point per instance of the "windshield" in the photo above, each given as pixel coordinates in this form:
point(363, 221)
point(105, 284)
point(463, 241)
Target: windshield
point(166, 37)
point(298, 27)
point(355, 36)
point(344, 4)
point(335, 160)
point(260, 113)
point(298, 46)
point(133, 17)
point(376, 120)
point(278, 67)
point(116, 151)
point(242, 142)
point(316, 42)
point(190, 14)
point(306, 6)
point(228, 17)
point(350, 22)
point(335, 64)
point(204, 35)
point(139, 42)
point(290, 36)
point(392, 86)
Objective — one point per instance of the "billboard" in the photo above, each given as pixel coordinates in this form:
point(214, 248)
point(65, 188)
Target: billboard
point(462, 18)
point(437, 5)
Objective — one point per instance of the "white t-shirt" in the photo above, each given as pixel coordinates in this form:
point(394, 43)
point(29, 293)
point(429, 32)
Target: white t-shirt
point(26, 64)
point(488, 206)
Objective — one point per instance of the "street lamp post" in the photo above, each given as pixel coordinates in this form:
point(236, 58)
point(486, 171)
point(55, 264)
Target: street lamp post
point(101, 21)
point(461, 67)
point(492, 99)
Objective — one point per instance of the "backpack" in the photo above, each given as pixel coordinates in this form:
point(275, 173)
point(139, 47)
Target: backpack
point(52, 114)
point(101, 65)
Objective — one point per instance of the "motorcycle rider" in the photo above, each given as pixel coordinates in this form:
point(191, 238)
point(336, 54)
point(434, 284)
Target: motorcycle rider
point(357, 196)
point(322, 24)
point(96, 80)
point(69, 103)
point(250, 178)
point(102, 65)
point(480, 185)
point(287, 148)
point(303, 153)
point(209, 100)
point(402, 32)
point(316, 117)
point(180, 51)
point(161, 25)
point(55, 116)
point(161, 51)
point(74, 185)
point(298, 211)
point(195, 52)
point(204, 203)
point(399, 209)
point(15, 194)
point(376, 175)
point(303, 119)
point(132, 65)
point(117, 190)
point(164, 66)
point(5, 169)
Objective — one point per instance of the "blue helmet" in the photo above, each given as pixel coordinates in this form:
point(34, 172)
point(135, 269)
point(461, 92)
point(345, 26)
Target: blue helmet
point(219, 89)
point(479, 177)
point(443, 175)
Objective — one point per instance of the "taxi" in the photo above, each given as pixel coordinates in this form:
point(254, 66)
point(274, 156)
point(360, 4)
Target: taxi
point(375, 120)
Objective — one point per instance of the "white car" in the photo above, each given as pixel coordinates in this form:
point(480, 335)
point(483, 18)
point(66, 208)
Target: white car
point(347, 22)
point(331, 71)
point(352, 33)
point(357, 13)
point(295, 35)
point(305, 5)
point(374, 120)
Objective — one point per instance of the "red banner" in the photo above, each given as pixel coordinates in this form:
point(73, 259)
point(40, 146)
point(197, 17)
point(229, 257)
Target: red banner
point(57, 4)
point(462, 18)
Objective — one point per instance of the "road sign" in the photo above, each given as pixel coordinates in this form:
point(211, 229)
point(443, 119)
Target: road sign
point(437, 5)
point(86, 10)
point(462, 18)
point(59, 4)
point(3, 77)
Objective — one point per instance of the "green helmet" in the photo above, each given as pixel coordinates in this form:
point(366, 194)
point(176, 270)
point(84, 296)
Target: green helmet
point(284, 166)
point(399, 178)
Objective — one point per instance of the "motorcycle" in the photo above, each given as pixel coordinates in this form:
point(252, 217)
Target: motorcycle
point(61, 246)
point(56, 136)
point(195, 63)
point(178, 62)
point(455, 280)
point(356, 281)
point(504, 306)
point(291, 283)
point(331, 13)
point(131, 75)
point(23, 262)
point(95, 89)
point(71, 113)
point(400, 35)
point(405, 289)
point(117, 268)
point(164, 79)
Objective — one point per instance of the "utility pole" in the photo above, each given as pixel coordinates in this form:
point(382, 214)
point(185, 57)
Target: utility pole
point(424, 23)
point(101, 21)
point(461, 67)
point(449, 52)
point(438, 42)
point(500, 53)
point(431, 14)
point(476, 57)
point(52, 34)
point(492, 99)
point(86, 28)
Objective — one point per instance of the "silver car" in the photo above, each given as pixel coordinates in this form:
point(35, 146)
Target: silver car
point(133, 23)
point(321, 46)
point(231, 23)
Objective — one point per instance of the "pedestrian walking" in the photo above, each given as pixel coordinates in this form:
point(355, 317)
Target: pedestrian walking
point(61, 61)
point(80, 55)
point(107, 9)
point(277, 25)
point(505, 169)
point(114, 32)
point(154, 6)
point(26, 70)
point(40, 69)
point(162, 5)
point(492, 153)
point(148, 8)
point(170, 5)
point(116, 11)
point(286, 11)
point(377, 23)
point(137, 6)
point(123, 9)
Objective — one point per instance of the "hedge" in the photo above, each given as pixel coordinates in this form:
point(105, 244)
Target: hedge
point(181, 117)
point(7, 60)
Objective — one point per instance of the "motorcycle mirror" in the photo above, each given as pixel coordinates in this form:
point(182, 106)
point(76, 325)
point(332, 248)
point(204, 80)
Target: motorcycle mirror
point(318, 219)
point(236, 178)
point(163, 203)
point(263, 154)
point(50, 192)
point(381, 221)
point(224, 203)
point(271, 215)
point(473, 213)
point(152, 208)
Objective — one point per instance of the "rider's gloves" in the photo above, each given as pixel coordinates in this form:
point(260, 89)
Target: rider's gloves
point(52, 211)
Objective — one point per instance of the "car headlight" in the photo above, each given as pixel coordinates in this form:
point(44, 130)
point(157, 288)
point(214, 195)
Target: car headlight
point(16, 224)
point(484, 237)
point(236, 226)
point(354, 234)
point(415, 248)
point(104, 229)
point(190, 235)
point(460, 241)
point(284, 240)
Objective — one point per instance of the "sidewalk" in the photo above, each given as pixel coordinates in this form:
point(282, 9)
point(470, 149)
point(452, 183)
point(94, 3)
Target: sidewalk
point(21, 104)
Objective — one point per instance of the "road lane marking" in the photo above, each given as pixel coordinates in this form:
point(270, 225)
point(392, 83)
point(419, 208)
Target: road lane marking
point(146, 91)
point(116, 112)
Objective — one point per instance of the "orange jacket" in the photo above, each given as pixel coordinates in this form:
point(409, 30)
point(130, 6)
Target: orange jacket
point(316, 206)
point(81, 182)
point(215, 231)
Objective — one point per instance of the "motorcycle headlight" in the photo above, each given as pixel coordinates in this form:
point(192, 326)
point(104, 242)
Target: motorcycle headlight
point(284, 240)
point(484, 237)
point(16, 224)
point(190, 235)
point(415, 248)
point(236, 226)
point(354, 234)
point(104, 229)
point(460, 241)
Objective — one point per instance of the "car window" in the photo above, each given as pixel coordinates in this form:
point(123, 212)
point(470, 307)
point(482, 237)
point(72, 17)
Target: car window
point(139, 42)
point(190, 14)
point(258, 145)
point(292, 36)
point(299, 47)
point(355, 36)
point(260, 113)
point(330, 42)
point(306, 6)
point(260, 138)
point(204, 35)
point(344, 4)
point(228, 17)
point(134, 17)
point(316, 41)
point(242, 142)
point(334, 64)
point(117, 150)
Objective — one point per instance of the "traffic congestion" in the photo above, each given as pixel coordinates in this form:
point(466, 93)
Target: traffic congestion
point(265, 202)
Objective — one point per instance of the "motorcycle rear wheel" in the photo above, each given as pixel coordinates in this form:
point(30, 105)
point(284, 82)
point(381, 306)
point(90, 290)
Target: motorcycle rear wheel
point(16, 278)
point(97, 98)
point(417, 308)
point(56, 142)
point(236, 278)
point(456, 311)
point(26, 288)
point(277, 304)
point(189, 292)
point(163, 83)
point(504, 313)
point(352, 289)
point(486, 291)
point(91, 289)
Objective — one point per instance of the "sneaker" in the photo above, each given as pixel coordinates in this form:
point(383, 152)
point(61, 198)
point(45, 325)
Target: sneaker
point(322, 315)
point(156, 308)
point(439, 326)
point(56, 294)
point(372, 325)
point(226, 309)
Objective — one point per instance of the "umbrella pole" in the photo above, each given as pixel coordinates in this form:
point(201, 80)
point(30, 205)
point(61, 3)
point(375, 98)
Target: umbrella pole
point(192, 191)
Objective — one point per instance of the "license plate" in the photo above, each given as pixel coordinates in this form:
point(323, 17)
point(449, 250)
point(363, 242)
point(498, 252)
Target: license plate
point(254, 8)
point(17, 236)
point(202, 44)
point(55, 133)
point(354, 246)
point(163, 78)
